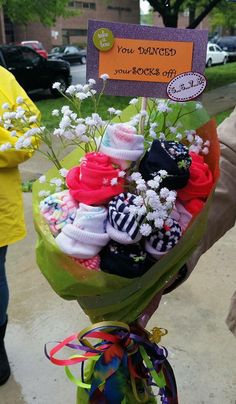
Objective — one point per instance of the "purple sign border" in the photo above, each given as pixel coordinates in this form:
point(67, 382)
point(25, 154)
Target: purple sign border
point(133, 31)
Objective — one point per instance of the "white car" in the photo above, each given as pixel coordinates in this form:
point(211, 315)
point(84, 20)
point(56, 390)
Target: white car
point(215, 55)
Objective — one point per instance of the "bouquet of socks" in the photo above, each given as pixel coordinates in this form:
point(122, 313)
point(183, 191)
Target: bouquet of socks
point(117, 219)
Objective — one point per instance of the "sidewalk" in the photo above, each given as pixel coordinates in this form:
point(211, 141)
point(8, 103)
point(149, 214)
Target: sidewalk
point(201, 349)
point(221, 99)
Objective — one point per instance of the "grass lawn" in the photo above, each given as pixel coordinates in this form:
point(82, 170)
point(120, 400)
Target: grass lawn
point(46, 107)
point(218, 76)
point(220, 117)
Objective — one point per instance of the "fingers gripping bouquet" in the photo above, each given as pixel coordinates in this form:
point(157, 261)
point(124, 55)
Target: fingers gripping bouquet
point(116, 221)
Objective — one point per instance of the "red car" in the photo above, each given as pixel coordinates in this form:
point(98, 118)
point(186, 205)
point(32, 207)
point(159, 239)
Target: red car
point(37, 46)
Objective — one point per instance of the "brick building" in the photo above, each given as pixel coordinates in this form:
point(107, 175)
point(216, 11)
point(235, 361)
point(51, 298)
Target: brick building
point(73, 30)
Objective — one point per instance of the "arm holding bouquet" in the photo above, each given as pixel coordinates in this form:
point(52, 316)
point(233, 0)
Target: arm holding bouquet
point(221, 217)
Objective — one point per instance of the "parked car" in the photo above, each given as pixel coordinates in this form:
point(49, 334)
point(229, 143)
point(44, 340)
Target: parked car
point(37, 46)
point(228, 44)
point(72, 54)
point(33, 71)
point(215, 55)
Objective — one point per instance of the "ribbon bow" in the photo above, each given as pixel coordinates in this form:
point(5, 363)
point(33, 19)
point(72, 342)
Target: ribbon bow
point(121, 359)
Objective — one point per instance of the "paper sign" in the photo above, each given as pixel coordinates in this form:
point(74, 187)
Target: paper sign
point(153, 61)
point(186, 86)
point(143, 60)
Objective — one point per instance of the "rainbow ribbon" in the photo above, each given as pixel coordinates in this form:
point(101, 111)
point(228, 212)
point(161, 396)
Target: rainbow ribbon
point(122, 357)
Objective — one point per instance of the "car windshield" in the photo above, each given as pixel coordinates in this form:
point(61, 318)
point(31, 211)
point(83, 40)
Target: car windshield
point(58, 49)
point(227, 40)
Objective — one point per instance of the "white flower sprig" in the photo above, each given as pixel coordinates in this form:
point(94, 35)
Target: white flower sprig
point(73, 128)
point(154, 202)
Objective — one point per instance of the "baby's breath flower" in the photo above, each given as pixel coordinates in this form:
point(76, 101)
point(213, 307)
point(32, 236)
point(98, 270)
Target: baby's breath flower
point(80, 129)
point(104, 76)
point(145, 229)
point(163, 107)
point(138, 201)
point(56, 85)
point(179, 136)
point(93, 92)
point(42, 179)
point(141, 187)
point(43, 193)
point(33, 119)
point(27, 142)
point(5, 146)
point(162, 173)
point(121, 174)
point(5, 106)
point(81, 96)
point(159, 223)
point(134, 101)
point(19, 100)
point(71, 90)
point(63, 172)
point(136, 176)
point(91, 82)
point(162, 136)
point(114, 181)
point(205, 150)
point(172, 129)
point(199, 105)
point(55, 112)
point(56, 181)
point(111, 110)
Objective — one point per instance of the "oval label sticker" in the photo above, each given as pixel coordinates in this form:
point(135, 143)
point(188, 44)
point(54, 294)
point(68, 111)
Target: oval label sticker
point(103, 39)
point(186, 86)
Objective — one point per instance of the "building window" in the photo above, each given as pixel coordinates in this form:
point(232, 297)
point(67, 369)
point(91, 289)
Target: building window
point(75, 32)
point(82, 4)
point(117, 8)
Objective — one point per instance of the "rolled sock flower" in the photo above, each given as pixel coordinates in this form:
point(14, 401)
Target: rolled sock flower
point(172, 157)
point(123, 225)
point(92, 264)
point(58, 210)
point(87, 235)
point(95, 181)
point(129, 261)
point(122, 144)
point(162, 241)
point(181, 215)
point(200, 182)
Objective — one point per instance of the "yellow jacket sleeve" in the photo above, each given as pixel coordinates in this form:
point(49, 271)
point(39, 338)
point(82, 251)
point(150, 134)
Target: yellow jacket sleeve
point(9, 91)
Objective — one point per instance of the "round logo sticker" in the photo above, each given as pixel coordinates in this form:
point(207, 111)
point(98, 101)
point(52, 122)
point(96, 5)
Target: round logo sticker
point(103, 39)
point(186, 86)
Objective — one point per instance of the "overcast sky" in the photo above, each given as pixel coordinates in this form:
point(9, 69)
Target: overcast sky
point(144, 4)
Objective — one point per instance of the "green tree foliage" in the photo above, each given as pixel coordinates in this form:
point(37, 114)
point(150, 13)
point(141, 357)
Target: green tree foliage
point(45, 11)
point(169, 10)
point(224, 16)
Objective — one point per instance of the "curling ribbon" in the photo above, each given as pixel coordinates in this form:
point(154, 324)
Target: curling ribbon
point(123, 357)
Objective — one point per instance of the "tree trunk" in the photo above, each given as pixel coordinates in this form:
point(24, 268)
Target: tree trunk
point(2, 27)
point(170, 20)
point(204, 13)
point(192, 14)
